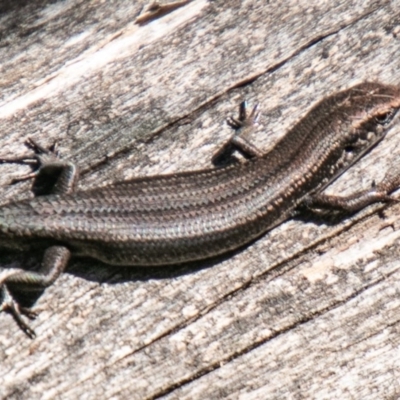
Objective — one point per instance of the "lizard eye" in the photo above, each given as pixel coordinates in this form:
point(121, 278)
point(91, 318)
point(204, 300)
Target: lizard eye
point(384, 118)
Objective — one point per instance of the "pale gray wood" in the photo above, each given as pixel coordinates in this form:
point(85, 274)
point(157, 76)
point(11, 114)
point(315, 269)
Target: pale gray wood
point(308, 311)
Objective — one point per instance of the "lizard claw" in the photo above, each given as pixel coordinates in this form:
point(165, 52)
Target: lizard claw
point(40, 156)
point(39, 149)
point(244, 119)
point(10, 306)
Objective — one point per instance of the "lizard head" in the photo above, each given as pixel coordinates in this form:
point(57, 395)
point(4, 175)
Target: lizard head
point(359, 118)
point(369, 110)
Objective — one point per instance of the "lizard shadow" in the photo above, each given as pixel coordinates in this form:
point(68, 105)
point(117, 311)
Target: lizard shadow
point(96, 271)
point(320, 217)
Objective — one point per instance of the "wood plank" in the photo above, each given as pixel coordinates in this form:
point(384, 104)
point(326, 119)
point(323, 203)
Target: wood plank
point(308, 310)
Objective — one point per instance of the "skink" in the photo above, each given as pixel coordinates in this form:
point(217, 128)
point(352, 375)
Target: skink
point(176, 218)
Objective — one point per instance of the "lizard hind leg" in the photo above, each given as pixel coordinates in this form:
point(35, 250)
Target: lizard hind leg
point(51, 174)
point(54, 262)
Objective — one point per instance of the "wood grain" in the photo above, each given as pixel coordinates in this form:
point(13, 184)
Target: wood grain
point(311, 310)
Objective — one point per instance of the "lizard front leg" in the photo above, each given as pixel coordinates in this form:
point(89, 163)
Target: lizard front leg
point(380, 192)
point(244, 126)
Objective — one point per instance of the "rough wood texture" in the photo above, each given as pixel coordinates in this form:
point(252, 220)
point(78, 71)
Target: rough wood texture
point(309, 310)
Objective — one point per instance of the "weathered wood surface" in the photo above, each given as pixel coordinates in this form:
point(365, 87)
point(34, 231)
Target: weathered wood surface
point(309, 310)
